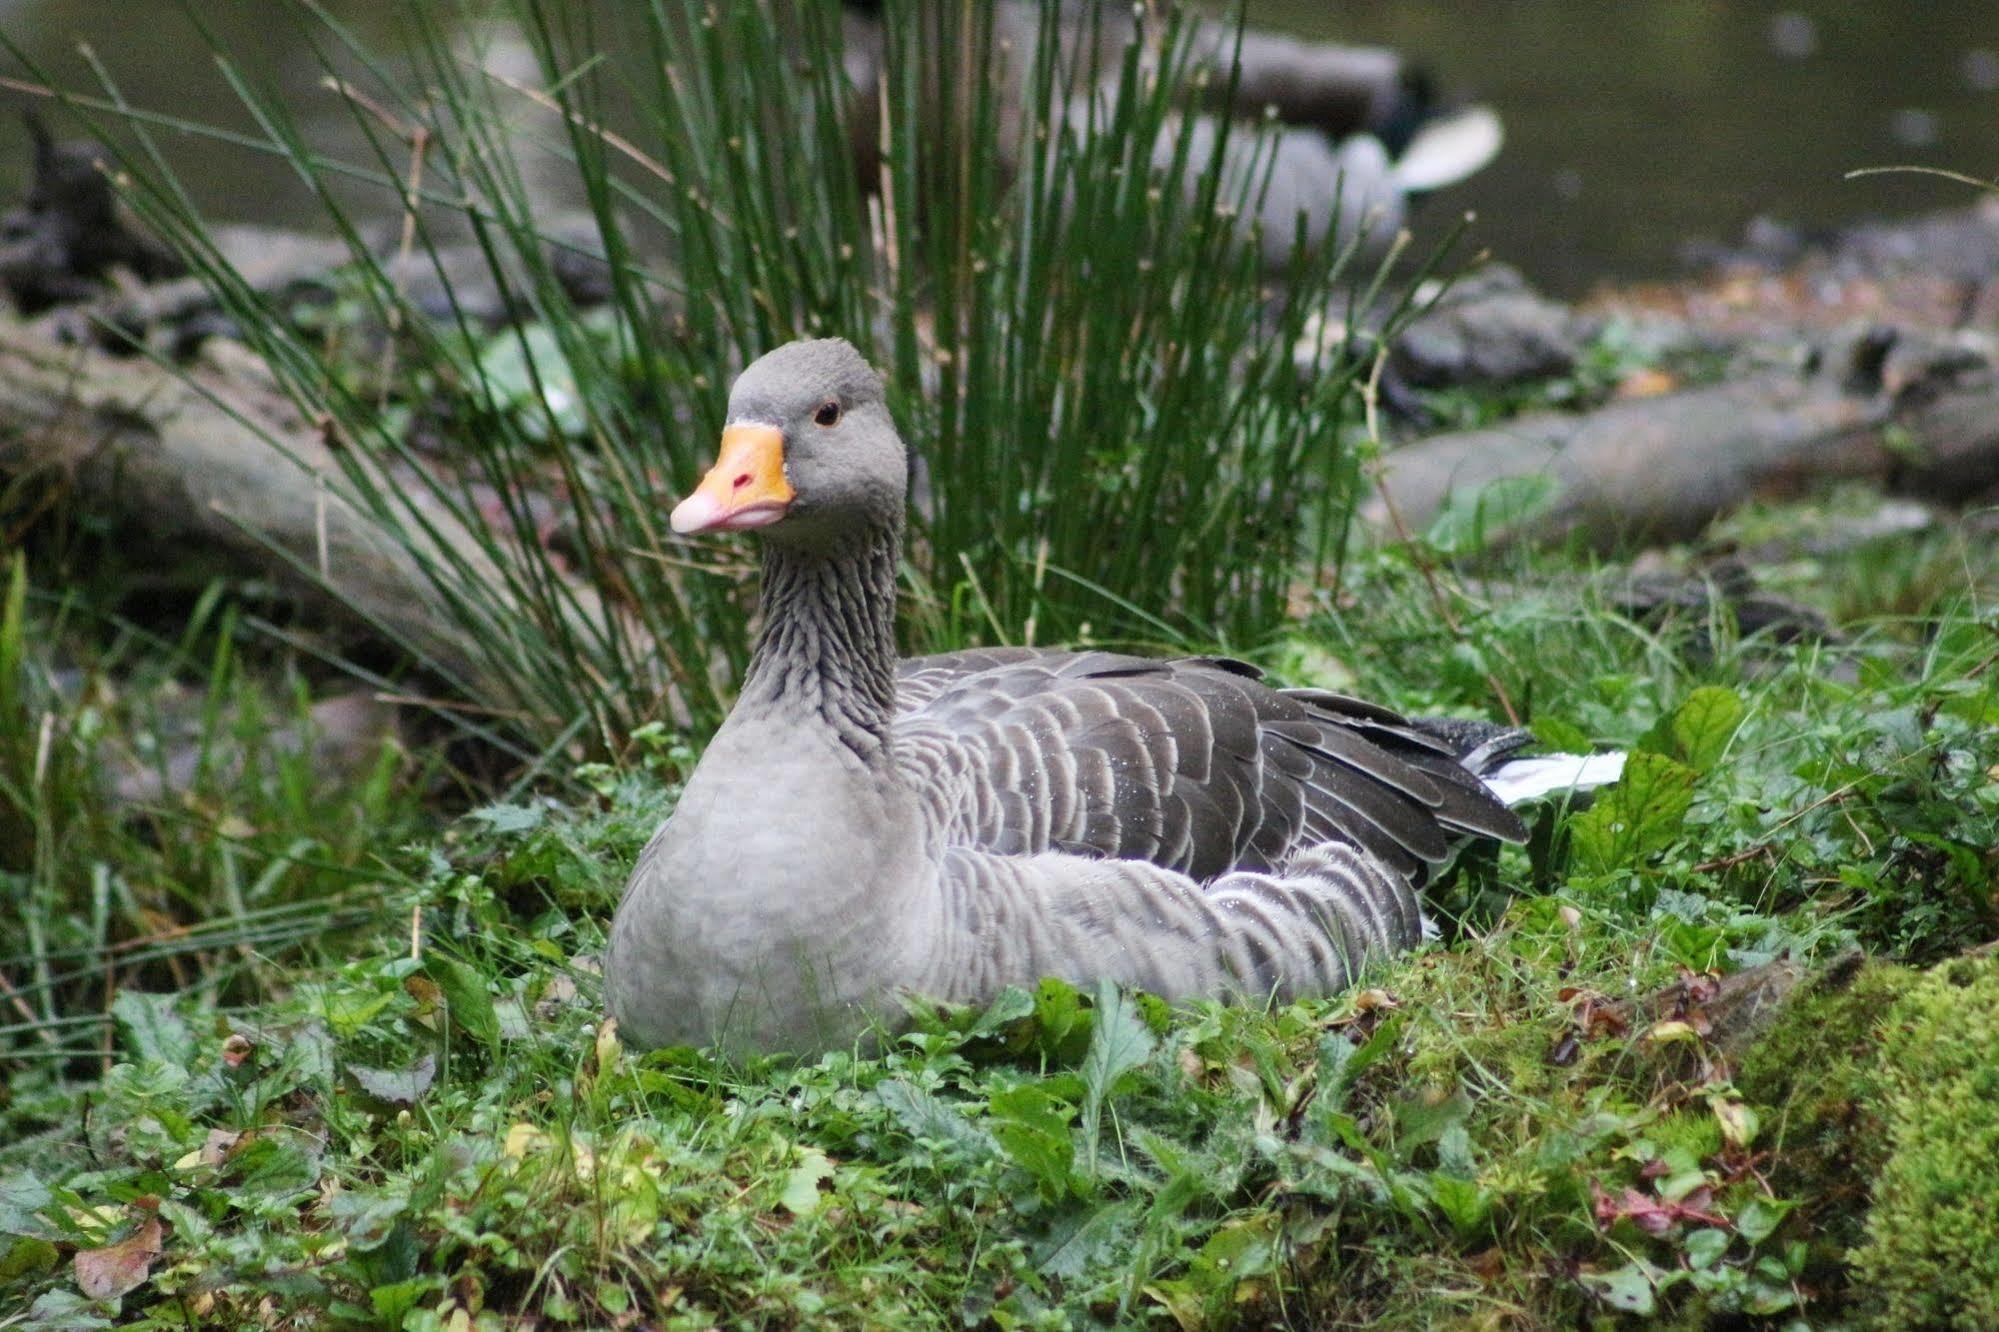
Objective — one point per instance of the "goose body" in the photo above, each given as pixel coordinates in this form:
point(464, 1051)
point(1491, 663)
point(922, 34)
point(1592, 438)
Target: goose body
point(949, 825)
point(1356, 135)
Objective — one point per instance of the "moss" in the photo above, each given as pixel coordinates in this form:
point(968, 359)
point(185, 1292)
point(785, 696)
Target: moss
point(1884, 1084)
point(1816, 1072)
point(1931, 1257)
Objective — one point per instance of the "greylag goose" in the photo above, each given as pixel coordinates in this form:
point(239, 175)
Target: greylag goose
point(861, 827)
point(1359, 135)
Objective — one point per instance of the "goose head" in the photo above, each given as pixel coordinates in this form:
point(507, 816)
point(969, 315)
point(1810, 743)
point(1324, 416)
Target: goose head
point(809, 452)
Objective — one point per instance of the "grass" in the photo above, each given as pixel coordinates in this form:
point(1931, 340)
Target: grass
point(163, 820)
point(284, 1050)
point(422, 1130)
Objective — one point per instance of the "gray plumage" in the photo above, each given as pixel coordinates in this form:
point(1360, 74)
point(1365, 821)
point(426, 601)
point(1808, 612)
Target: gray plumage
point(954, 824)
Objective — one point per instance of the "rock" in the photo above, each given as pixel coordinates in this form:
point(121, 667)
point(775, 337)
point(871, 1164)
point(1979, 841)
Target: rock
point(1654, 593)
point(1491, 329)
point(70, 236)
point(343, 736)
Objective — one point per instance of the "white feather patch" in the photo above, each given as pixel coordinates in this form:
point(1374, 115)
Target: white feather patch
point(1528, 778)
point(1448, 149)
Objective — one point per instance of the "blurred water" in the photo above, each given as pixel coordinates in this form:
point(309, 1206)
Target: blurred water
point(1632, 128)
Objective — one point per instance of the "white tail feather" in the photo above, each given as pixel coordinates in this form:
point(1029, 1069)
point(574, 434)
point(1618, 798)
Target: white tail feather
point(1522, 779)
point(1448, 149)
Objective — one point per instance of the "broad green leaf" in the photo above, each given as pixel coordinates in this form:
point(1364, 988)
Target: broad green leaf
point(1454, 1152)
point(1766, 1298)
point(1120, 1042)
point(466, 996)
point(1626, 1289)
point(396, 1086)
point(151, 1028)
point(1760, 1217)
point(1059, 1010)
point(26, 1256)
point(275, 1160)
point(1244, 1247)
point(22, 1196)
point(1705, 724)
point(366, 1219)
point(925, 1117)
point(394, 1299)
point(1422, 1118)
point(65, 1309)
point(347, 1010)
point(510, 818)
point(1561, 735)
point(1033, 1127)
point(1705, 1246)
point(1680, 1183)
point(1636, 818)
point(1341, 1062)
point(528, 369)
point(1088, 1243)
point(1012, 1005)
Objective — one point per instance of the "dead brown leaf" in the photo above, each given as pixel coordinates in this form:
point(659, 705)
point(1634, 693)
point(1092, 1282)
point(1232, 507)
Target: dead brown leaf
point(1647, 384)
point(120, 1268)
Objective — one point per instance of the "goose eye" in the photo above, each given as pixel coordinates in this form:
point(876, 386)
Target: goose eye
point(828, 414)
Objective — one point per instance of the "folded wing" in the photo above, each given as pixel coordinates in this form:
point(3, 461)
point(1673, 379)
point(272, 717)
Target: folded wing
point(1194, 764)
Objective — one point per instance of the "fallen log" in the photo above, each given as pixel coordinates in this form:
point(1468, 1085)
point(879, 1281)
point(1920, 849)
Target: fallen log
point(215, 458)
point(1915, 415)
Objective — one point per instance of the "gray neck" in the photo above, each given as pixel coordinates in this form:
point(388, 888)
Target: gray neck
point(827, 650)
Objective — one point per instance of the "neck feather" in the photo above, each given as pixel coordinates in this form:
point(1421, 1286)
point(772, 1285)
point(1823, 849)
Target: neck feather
point(827, 652)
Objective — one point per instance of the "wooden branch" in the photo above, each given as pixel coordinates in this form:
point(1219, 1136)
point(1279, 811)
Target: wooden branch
point(1917, 417)
point(219, 460)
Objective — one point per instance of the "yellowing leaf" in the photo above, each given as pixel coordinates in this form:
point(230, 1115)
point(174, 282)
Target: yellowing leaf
point(523, 1139)
point(1739, 1122)
point(801, 1194)
point(608, 1045)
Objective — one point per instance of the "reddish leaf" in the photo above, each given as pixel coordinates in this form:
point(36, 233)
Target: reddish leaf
point(115, 1269)
point(236, 1049)
point(1601, 1020)
point(1654, 1216)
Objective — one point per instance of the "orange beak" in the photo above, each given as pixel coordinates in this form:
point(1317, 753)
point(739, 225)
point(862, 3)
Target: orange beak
point(743, 490)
